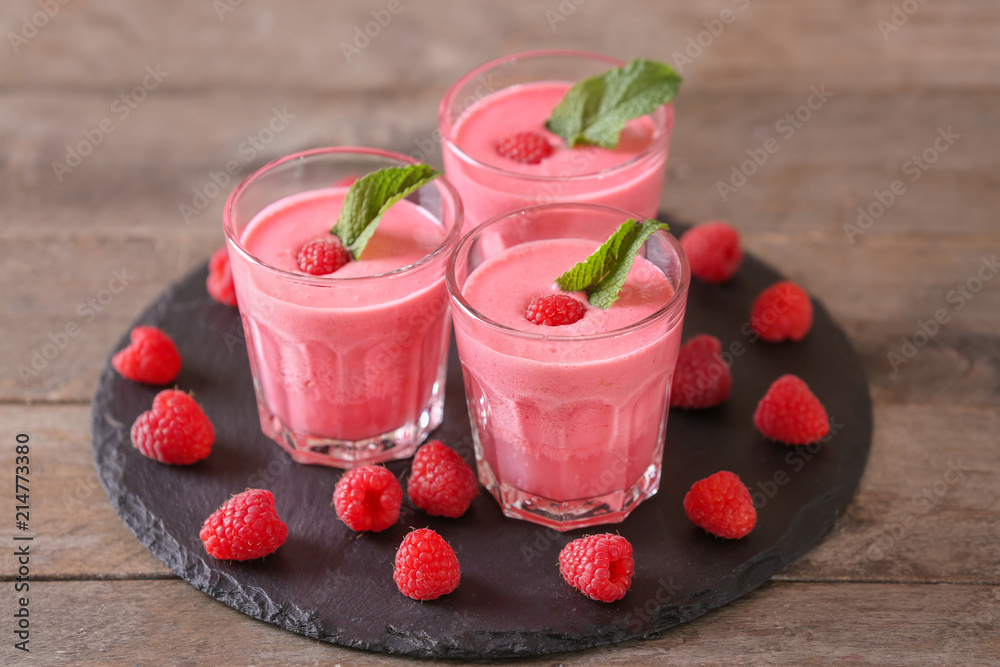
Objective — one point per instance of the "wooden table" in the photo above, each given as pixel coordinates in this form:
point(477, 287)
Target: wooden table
point(155, 98)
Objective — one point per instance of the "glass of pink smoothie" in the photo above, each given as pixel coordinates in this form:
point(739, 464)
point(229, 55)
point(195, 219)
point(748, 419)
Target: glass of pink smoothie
point(349, 367)
point(568, 421)
point(517, 94)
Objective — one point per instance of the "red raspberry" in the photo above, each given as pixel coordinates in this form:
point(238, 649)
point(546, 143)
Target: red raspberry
point(701, 377)
point(721, 504)
point(791, 413)
point(553, 310)
point(525, 147)
point(151, 357)
point(782, 311)
point(220, 278)
point(713, 250)
point(247, 526)
point(599, 566)
point(441, 482)
point(426, 566)
point(322, 256)
point(368, 498)
point(174, 431)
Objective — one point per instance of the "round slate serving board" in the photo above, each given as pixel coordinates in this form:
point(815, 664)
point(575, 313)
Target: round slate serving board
point(328, 583)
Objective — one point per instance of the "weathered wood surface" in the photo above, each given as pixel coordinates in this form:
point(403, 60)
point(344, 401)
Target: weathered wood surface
point(114, 623)
point(909, 575)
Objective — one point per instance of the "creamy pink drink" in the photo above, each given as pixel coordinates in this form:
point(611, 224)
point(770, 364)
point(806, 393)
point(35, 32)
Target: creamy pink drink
point(569, 420)
point(348, 367)
point(476, 116)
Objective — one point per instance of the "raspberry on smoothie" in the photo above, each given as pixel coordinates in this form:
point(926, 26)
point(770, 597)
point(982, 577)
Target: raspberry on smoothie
point(568, 416)
point(347, 324)
point(565, 126)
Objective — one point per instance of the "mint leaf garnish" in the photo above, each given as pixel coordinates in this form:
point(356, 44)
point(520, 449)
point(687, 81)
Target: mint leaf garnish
point(371, 196)
point(595, 110)
point(602, 274)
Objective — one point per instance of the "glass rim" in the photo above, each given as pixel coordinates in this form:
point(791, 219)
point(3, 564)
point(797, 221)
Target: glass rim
point(447, 190)
point(443, 122)
point(673, 304)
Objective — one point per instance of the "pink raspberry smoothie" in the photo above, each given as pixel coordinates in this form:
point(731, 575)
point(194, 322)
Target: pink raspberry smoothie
point(629, 176)
point(356, 353)
point(569, 418)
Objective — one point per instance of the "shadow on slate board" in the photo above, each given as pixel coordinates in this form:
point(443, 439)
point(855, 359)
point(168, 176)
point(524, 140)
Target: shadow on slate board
point(330, 584)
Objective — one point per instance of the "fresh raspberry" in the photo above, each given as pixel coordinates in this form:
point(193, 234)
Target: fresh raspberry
point(322, 256)
point(174, 431)
point(525, 147)
point(368, 498)
point(713, 250)
point(247, 526)
point(782, 311)
point(553, 310)
point(701, 376)
point(151, 357)
point(426, 566)
point(220, 278)
point(721, 504)
point(599, 566)
point(791, 413)
point(441, 482)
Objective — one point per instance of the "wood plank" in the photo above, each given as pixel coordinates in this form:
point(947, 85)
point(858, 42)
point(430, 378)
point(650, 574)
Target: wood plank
point(912, 519)
point(880, 290)
point(164, 153)
point(103, 46)
point(77, 533)
point(928, 508)
point(108, 623)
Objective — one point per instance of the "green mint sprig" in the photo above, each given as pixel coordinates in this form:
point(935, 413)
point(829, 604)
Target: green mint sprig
point(602, 274)
point(594, 111)
point(371, 196)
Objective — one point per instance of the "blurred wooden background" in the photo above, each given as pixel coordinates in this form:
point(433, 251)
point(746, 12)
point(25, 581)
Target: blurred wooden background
point(118, 118)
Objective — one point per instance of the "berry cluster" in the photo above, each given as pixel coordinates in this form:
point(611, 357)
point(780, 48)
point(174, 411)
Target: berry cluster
point(788, 412)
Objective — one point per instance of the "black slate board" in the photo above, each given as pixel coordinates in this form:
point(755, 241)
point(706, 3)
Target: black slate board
point(327, 583)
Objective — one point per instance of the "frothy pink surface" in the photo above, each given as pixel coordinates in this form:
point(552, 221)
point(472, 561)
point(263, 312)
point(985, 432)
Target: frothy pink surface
point(525, 108)
point(629, 176)
point(565, 419)
point(336, 358)
point(503, 286)
point(404, 235)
